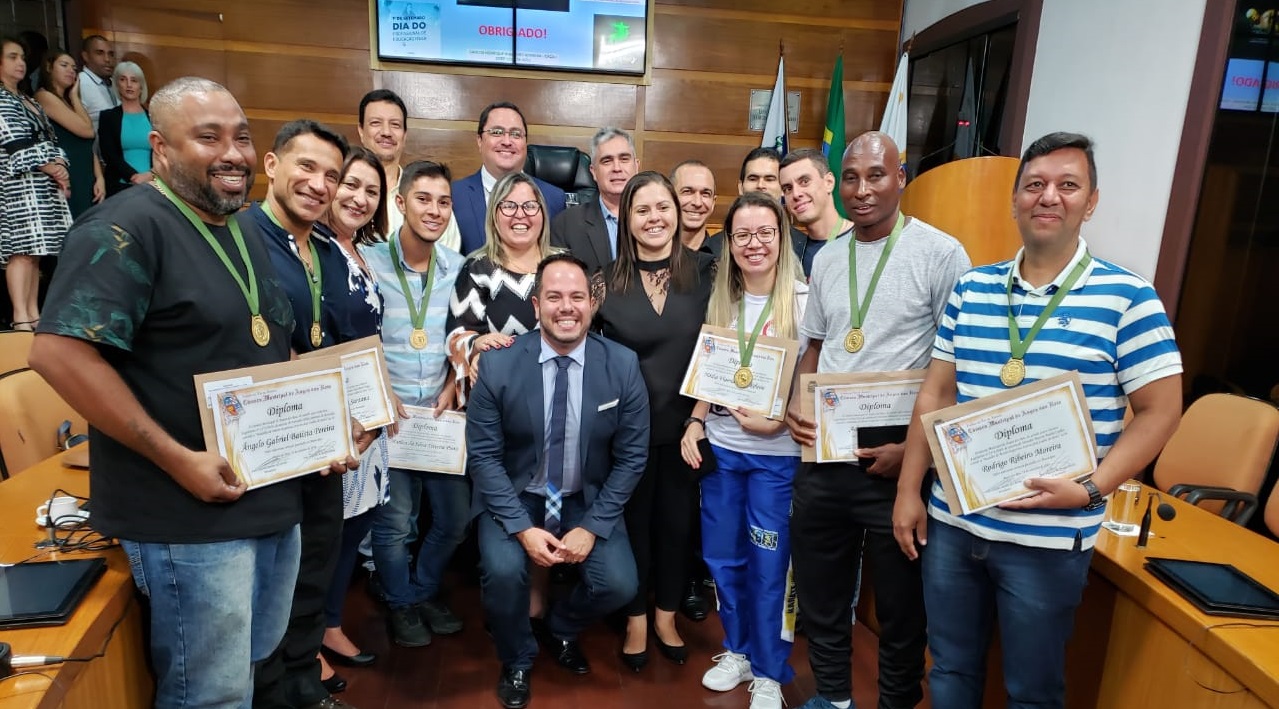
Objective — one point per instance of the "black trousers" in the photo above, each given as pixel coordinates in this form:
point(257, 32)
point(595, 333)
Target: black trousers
point(290, 677)
point(835, 506)
point(659, 519)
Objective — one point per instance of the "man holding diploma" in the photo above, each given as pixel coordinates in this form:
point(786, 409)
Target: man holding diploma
point(1052, 309)
point(416, 274)
point(557, 434)
point(155, 286)
point(875, 301)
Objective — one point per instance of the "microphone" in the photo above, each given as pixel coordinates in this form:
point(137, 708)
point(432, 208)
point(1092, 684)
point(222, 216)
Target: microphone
point(1165, 511)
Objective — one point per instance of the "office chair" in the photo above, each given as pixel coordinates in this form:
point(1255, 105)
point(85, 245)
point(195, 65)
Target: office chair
point(1220, 453)
point(35, 423)
point(15, 345)
point(565, 167)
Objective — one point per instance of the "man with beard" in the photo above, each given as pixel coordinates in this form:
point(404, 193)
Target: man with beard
point(556, 440)
point(155, 286)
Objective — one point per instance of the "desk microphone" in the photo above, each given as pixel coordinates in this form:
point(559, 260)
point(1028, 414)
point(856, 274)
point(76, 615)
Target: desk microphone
point(8, 661)
point(1166, 512)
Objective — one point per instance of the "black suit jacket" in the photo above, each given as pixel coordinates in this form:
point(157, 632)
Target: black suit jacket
point(506, 429)
point(116, 171)
point(583, 232)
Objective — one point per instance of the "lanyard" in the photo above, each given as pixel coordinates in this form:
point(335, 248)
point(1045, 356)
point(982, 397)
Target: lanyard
point(1019, 346)
point(857, 315)
point(261, 334)
point(745, 348)
point(315, 276)
point(416, 316)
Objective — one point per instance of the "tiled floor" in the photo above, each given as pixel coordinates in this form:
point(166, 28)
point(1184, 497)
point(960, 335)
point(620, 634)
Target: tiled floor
point(460, 671)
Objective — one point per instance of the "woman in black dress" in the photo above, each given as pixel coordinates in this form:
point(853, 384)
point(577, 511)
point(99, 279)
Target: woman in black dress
point(656, 296)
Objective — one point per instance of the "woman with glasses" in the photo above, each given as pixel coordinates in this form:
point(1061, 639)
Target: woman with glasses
point(746, 499)
point(492, 299)
point(657, 291)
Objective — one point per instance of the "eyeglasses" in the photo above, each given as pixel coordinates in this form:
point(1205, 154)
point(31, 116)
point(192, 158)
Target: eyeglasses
point(508, 207)
point(764, 234)
point(515, 133)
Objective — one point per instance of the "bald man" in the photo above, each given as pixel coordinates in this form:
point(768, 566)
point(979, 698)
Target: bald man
point(125, 328)
point(879, 325)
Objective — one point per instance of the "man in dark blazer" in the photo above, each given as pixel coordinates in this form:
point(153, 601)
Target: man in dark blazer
point(589, 230)
point(531, 510)
point(502, 138)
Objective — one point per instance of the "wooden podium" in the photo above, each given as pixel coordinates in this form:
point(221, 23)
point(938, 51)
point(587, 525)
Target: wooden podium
point(972, 200)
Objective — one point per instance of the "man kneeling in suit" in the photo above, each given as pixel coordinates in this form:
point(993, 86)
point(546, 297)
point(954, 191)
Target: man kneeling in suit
point(557, 438)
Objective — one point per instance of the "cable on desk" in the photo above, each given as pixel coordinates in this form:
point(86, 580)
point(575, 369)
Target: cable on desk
point(69, 533)
point(52, 681)
point(1191, 645)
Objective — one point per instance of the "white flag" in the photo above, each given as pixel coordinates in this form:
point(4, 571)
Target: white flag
point(775, 124)
point(894, 123)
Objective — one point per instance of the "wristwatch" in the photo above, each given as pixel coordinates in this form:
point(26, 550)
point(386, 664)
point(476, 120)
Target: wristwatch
point(1095, 499)
point(694, 419)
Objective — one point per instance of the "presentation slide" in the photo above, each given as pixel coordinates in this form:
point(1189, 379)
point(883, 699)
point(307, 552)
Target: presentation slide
point(584, 35)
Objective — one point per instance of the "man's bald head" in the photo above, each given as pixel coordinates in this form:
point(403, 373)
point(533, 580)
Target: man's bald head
point(871, 182)
point(877, 142)
point(166, 104)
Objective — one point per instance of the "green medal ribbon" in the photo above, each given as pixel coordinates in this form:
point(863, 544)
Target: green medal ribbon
point(250, 290)
point(856, 314)
point(315, 273)
point(416, 317)
point(1016, 344)
point(744, 348)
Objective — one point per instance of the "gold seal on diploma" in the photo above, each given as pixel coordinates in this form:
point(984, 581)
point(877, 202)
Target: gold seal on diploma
point(1013, 371)
point(855, 340)
point(417, 340)
point(261, 333)
point(743, 377)
point(317, 336)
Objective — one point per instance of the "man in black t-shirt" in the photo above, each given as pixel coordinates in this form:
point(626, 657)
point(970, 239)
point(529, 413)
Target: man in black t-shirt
point(154, 286)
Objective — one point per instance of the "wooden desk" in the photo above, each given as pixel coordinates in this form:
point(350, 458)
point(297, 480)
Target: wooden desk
point(1139, 643)
point(109, 619)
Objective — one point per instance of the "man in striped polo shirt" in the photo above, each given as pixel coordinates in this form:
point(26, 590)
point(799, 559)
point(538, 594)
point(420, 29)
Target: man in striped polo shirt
point(1026, 562)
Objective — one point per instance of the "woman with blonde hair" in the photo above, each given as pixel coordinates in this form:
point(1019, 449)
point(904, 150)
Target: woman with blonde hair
point(124, 131)
point(492, 301)
point(759, 291)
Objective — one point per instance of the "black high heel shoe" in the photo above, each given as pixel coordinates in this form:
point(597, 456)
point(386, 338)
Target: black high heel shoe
point(363, 659)
point(334, 684)
point(636, 661)
point(675, 653)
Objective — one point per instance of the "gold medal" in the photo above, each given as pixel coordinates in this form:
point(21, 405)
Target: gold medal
point(743, 377)
point(855, 340)
point(418, 339)
point(261, 333)
point(1013, 371)
point(317, 336)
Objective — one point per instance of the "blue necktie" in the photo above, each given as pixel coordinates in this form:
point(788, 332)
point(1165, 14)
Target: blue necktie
point(555, 449)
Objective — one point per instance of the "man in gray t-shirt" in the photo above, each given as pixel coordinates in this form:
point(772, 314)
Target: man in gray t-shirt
point(905, 272)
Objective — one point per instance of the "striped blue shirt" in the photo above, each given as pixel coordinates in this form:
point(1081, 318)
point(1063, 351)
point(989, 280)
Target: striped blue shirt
point(1111, 328)
point(417, 376)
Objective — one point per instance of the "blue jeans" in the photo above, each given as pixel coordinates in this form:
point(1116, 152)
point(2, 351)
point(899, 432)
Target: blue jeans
point(746, 544)
point(968, 582)
point(450, 500)
point(216, 609)
point(608, 581)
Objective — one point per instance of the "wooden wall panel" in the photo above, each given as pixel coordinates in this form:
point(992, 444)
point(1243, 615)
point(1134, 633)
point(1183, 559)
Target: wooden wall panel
point(293, 58)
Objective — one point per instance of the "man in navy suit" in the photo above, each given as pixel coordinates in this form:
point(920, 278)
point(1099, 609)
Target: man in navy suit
point(503, 142)
point(557, 438)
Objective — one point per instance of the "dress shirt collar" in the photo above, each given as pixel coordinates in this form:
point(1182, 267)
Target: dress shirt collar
point(487, 181)
point(577, 355)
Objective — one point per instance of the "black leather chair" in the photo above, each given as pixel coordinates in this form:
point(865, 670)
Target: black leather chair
point(565, 167)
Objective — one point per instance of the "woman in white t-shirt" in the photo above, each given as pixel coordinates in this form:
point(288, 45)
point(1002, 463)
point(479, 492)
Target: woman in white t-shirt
point(746, 499)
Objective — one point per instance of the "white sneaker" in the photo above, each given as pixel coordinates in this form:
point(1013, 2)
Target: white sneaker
point(730, 670)
point(766, 694)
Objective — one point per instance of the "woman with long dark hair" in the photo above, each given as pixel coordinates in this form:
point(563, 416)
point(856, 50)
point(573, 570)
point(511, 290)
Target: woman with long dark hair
point(655, 302)
point(60, 98)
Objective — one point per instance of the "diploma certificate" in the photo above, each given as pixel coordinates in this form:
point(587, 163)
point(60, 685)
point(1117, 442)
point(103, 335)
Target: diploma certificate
point(986, 449)
point(426, 443)
point(271, 430)
point(366, 378)
point(711, 374)
point(843, 403)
